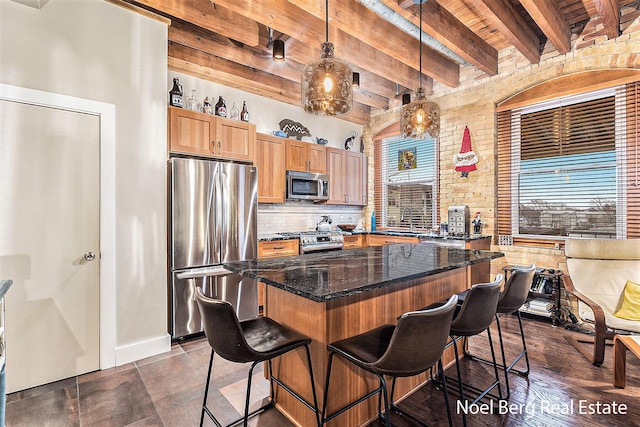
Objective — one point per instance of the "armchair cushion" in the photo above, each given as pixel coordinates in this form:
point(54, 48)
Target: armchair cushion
point(630, 309)
point(599, 269)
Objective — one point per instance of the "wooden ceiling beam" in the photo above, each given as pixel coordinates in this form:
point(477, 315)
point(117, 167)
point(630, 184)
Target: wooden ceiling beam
point(306, 28)
point(448, 30)
point(258, 57)
point(502, 15)
point(210, 67)
point(357, 21)
point(610, 16)
point(205, 14)
point(546, 13)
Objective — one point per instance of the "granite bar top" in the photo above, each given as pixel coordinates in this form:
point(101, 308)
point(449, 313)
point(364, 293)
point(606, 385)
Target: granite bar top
point(327, 275)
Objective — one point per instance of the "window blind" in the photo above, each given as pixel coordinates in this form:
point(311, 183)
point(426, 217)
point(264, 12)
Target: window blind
point(406, 190)
point(566, 167)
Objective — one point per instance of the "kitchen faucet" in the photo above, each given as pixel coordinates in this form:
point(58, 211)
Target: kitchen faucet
point(402, 216)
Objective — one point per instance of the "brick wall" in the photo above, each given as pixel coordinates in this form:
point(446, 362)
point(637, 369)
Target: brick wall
point(473, 102)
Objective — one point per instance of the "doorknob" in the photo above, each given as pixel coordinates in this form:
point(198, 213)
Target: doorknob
point(89, 256)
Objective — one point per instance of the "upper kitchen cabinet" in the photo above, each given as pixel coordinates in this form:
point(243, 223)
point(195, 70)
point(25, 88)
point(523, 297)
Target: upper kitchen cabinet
point(306, 157)
point(347, 177)
point(270, 161)
point(192, 132)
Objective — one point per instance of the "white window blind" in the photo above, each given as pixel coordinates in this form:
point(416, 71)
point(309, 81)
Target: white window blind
point(408, 194)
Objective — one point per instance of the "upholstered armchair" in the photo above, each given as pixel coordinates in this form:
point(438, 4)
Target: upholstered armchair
point(598, 272)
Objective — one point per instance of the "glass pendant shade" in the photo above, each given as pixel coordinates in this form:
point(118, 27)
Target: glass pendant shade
point(327, 85)
point(420, 117)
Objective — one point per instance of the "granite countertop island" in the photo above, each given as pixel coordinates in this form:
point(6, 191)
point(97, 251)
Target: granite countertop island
point(330, 296)
point(328, 275)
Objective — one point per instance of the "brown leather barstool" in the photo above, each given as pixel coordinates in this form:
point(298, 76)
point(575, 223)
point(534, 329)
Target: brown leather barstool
point(475, 316)
point(254, 340)
point(409, 348)
point(513, 296)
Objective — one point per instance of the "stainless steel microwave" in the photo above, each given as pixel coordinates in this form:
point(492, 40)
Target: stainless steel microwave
point(307, 186)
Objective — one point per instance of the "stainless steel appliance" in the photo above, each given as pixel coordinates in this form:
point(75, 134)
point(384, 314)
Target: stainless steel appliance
point(307, 186)
point(318, 241)
point(459, 220)
point(213, 219)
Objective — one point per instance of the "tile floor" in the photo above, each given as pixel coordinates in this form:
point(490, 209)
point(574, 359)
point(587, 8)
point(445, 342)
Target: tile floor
point(163, 390)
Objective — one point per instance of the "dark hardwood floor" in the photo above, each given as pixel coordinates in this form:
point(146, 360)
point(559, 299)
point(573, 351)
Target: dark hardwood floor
point(166, 390)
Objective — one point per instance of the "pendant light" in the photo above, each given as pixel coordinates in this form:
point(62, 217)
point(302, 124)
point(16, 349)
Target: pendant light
point(420, 116)
point(278, 50)
point(327, 84)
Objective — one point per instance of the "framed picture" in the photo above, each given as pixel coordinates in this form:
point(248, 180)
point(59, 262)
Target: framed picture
point(407, 159)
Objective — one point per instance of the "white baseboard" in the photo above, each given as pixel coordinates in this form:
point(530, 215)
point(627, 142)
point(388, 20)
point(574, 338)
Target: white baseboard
point(140, 350)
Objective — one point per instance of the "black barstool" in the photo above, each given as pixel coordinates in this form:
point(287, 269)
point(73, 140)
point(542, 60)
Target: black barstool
point(254, 340)
point(475, 316)
point(409, 348)
point(513, 296)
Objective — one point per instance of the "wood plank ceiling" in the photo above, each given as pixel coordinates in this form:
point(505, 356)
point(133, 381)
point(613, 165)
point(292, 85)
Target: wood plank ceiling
point(228, 41)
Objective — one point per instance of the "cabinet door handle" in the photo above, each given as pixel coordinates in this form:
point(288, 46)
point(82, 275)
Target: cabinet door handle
point(219, 144)
point(213, 146)
point(278, 248)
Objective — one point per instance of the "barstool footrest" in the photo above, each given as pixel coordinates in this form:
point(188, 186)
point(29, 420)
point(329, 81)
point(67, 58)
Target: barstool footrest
point(294, 394)
point(352, 404)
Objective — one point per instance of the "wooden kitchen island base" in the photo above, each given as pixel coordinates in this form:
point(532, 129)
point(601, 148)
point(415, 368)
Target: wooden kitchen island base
point(326, 322)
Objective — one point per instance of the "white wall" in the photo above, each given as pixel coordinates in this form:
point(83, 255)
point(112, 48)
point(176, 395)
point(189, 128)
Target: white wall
point(95, 50)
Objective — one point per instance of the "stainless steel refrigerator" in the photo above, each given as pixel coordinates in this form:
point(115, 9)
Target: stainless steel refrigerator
point(213, 219)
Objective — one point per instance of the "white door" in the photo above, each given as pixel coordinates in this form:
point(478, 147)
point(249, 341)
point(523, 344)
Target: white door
point(49, 242)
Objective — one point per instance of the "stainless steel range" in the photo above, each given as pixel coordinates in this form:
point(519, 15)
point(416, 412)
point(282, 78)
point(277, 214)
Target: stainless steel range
point(318, 241)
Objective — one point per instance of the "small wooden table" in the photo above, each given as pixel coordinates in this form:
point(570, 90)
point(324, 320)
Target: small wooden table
point(622, 343)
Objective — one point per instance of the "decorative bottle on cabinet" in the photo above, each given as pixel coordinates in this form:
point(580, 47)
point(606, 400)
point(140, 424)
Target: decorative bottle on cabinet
point(244, 114)
point(235, 114)
point(221, 108)
point(175, 94)
point(373, 221)
point(192, 102)
point(206, 106)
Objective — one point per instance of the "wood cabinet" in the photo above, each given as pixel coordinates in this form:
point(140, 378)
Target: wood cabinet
point(354, 241)
point(270, 160)
point(381, 239)
point(191, 132)
point(275, 249)
point(348, 177)
point(306, 157)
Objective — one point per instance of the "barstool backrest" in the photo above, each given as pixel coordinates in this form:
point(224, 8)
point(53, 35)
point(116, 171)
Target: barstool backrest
point(418, 340)
point(222, 329)
point(478, 309)
point(516, 289)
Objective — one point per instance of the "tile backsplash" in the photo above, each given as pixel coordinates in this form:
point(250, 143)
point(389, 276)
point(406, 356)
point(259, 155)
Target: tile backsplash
point(303, 216)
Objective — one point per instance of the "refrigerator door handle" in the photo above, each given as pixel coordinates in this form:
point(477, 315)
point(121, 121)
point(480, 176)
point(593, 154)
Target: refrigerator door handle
point(203, 272)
